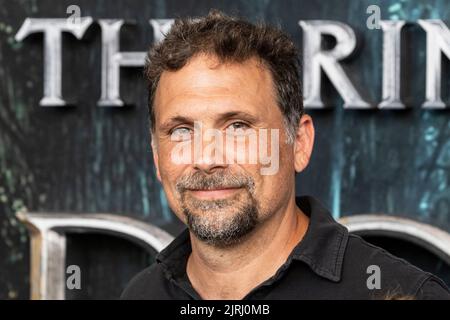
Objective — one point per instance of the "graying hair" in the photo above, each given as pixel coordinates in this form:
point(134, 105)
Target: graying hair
point(231, 39)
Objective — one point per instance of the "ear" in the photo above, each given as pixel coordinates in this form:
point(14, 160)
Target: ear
point(303, 144)
point(155, 156)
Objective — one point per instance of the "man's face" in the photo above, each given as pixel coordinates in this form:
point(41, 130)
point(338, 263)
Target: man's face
point(221, 201)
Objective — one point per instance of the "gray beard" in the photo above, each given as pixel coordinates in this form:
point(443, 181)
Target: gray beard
point(214, 227)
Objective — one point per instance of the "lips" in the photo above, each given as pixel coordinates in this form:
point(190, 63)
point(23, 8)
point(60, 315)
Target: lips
point(210, 194)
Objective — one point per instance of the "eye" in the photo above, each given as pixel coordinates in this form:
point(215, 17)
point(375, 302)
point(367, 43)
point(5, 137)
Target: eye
point(238, 128)
point(238, 125)
point(180, 133)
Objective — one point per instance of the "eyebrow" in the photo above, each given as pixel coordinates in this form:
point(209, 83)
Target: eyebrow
point(240, 115)
point(174, 121)
point(222, 117)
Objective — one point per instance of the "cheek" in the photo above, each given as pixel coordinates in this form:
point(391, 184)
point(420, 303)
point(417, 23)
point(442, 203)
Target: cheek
point(169, 174)
point(272, 187)
point(286, 174)
point(287, 158)
point(279, 184)
point(169, 171)
point(167, 167)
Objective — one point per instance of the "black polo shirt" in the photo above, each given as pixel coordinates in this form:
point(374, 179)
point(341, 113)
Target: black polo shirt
point(329, 263)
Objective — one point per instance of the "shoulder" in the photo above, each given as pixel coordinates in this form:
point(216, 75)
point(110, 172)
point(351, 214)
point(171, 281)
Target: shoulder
point(360, 250)
point(397, 276)
point(147, 284)
point(433, 289)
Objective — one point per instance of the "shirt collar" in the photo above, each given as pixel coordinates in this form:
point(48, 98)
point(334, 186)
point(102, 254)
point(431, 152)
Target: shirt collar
point(322, 247)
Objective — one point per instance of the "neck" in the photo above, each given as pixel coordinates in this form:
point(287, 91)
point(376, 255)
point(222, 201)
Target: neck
point(232, 272)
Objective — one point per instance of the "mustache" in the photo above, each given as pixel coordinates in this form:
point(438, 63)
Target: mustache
point(217, 180)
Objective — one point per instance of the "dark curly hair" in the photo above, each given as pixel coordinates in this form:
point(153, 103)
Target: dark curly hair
point(230, 39)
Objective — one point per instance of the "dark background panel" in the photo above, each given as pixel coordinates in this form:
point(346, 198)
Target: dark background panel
point(106, 263)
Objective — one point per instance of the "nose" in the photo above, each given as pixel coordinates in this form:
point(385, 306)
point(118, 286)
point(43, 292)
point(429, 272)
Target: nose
point(208, 151)
point(208, 166)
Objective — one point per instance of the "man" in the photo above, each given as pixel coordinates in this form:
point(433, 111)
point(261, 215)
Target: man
point(220, 78)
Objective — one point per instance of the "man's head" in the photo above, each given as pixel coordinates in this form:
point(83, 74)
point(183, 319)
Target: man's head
point(241, 81)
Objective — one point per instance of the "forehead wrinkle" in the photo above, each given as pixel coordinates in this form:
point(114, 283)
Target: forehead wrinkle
point(228, 82)
point(230, 74)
